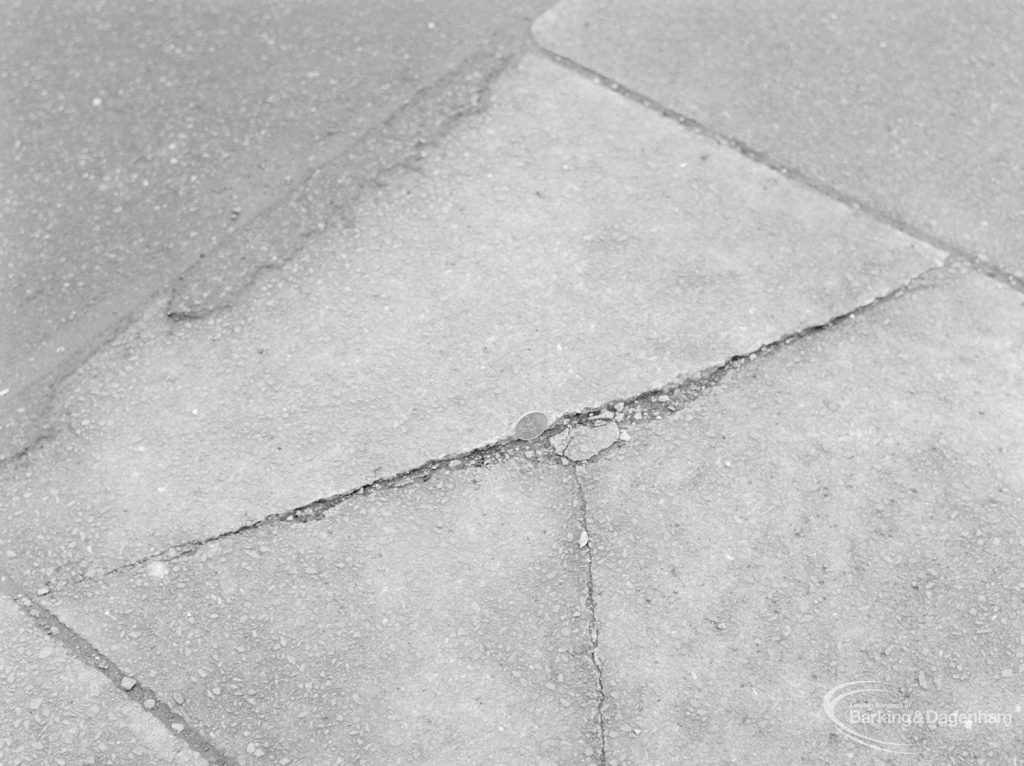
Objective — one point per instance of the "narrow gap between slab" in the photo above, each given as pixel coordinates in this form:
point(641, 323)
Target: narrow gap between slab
point(81, 650)
point(956, 253)
point(657, 401)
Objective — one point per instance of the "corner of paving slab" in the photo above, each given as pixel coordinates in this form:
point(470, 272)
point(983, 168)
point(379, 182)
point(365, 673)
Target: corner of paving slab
point(442, 621)
point(741, 543)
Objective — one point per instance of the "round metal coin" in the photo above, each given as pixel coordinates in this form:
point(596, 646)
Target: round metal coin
point(531, 425)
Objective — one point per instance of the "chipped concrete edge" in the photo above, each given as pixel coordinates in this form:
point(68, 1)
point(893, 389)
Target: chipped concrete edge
point(460, 93)
point(331, 192)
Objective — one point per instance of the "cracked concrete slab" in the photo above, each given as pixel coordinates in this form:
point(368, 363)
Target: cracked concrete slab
point(445, 622)
point(913, 108)
point(54, 710)
point(565, 248)
point(844, 509)
point(583, 442)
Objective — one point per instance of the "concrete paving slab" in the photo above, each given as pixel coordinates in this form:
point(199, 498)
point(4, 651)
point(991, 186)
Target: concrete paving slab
point(911, 107)
point(846, 509)
point(144, 138)
point(564, 249)
point(443, 622)
point(53, 710)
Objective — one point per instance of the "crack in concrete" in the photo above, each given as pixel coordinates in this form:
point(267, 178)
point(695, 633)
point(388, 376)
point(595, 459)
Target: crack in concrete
point(40, 439)
point(954, 252)
point(651, 404)
point(317, 509)
point(83, 651)
point(595, 628)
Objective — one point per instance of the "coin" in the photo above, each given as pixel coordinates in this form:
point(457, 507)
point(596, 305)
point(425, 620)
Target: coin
point(531, 425)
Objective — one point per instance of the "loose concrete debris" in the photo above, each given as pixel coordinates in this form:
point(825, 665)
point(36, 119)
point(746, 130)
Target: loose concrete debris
point(531, 425)
point(560, 441)
point(583, 442)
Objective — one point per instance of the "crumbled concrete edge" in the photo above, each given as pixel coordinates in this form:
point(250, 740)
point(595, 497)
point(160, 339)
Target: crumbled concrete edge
point(328, 195)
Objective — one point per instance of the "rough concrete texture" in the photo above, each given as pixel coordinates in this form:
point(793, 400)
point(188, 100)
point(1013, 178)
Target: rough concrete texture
point(327, 196)
point(55, 711)
point(143, 137)
point(913, 108)
point(563, 249)
point(845, 509)
point(440, 623)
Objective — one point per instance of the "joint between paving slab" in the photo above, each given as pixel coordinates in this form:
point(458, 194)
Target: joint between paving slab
point(649, 404)
point(951, 251)
point(594, 626)
point(81, 650)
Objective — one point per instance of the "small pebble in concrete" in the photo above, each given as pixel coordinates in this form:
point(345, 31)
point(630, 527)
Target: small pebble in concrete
point(128, 683)
point(531, 425)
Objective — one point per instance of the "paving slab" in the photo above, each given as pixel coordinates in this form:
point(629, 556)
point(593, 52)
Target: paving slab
point(444, 622)
point(911, 107)
point(145, 138)
point(846, 509)
point(566, 248)
point(54, 710)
